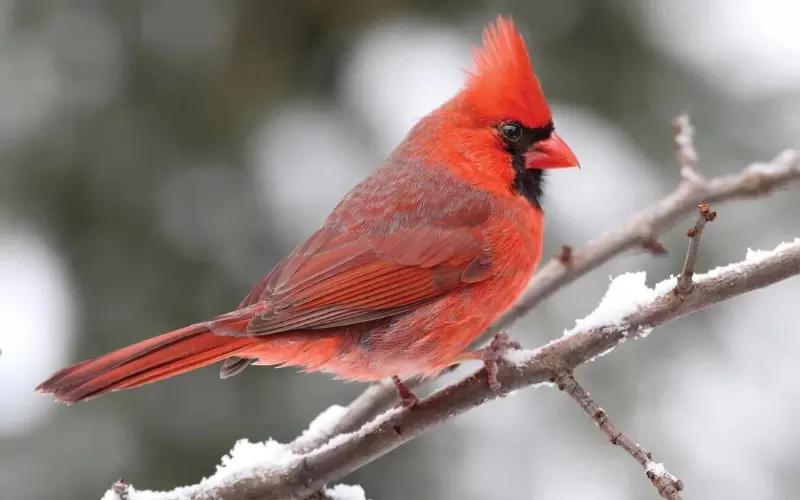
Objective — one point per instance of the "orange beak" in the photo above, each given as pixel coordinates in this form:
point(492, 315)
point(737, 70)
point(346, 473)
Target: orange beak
point(552, 152)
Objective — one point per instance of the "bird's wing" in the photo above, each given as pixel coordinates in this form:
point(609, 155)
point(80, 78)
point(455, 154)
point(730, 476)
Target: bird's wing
point(342, 279)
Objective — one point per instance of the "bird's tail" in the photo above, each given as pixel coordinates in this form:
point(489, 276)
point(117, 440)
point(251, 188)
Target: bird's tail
point(151, 360)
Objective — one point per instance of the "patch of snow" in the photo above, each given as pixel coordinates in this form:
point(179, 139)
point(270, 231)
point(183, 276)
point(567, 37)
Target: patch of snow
point(248, 459)
point(365, 429)
point(659, 470)
point(643, 332)
point(780, 162)
point(626, 294)
point(520, 357)
point(324, 423)
point(246, 456)
point(346, 492)
point(753, 257)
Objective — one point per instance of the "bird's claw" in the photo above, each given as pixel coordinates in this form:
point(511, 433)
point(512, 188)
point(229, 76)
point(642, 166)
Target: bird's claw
point(407, 397)
point(493, 353)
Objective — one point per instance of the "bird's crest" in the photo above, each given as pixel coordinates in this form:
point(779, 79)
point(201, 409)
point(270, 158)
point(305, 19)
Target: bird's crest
point(503, 84)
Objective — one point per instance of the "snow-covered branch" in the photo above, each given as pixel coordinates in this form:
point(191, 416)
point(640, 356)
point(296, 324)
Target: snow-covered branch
point(629, 310)
point(342, 440)
point(246, 470)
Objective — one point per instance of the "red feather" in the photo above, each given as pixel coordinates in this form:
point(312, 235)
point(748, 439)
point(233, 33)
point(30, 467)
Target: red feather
point(147, 361)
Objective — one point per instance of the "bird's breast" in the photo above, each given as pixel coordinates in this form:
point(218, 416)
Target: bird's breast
point(514, 233)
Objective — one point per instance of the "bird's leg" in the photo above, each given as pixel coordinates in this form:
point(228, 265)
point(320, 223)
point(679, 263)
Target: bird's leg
point(493, 353)
point(408, 398)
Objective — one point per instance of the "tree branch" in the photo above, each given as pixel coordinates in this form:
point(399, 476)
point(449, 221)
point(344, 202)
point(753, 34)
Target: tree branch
point(300, 476)
point(640, 231)
point(668, 486)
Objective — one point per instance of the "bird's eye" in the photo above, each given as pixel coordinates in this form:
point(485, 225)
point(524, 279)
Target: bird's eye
point(511, 131)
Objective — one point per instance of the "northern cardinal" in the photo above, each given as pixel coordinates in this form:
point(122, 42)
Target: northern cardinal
point(411, 266)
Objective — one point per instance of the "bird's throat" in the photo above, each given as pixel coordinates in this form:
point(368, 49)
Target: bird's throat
point(528, 182)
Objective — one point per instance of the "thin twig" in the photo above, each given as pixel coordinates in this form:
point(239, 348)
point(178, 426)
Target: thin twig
point(685, 283)
point(754, 181)
point(308, 473)
point(668, 486)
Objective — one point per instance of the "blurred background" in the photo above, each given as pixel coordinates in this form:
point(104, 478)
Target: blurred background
point(158, 157)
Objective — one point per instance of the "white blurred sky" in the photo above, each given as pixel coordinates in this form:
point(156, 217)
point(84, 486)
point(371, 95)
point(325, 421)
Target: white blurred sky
point(397, 72)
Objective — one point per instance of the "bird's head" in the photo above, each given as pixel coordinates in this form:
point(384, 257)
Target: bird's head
point(508, 99)
point(501, 118)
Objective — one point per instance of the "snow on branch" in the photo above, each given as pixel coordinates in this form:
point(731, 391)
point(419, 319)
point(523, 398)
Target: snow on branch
point(250, 465)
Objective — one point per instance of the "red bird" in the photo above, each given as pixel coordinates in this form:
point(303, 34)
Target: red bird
point(411, 266)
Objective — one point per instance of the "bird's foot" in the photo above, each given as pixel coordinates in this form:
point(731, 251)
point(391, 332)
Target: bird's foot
point(408, 398)
point(493, 353)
